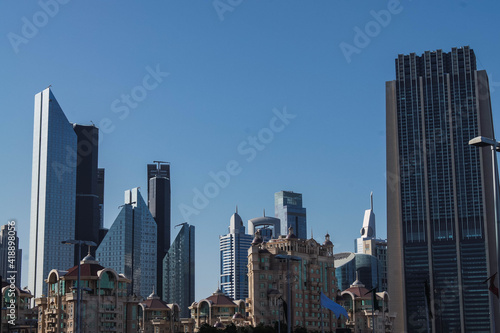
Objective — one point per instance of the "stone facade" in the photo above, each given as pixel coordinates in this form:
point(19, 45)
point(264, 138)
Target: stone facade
point(105, 304)
point(312, 271)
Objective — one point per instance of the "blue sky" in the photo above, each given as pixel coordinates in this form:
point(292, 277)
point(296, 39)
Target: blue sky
point(231, 69)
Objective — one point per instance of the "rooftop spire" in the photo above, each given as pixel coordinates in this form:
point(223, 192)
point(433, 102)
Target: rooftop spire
point(371, 200)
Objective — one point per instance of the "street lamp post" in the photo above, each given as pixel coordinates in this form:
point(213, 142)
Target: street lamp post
point(78, 288)
point(481, 141)
point(288, 257)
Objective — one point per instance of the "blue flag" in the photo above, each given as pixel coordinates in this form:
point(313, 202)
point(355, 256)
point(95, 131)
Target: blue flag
point(337, 309)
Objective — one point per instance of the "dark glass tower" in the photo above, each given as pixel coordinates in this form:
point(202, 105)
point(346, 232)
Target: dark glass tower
point(159, 206)
point(288, 208)
point(178, 270)
point(440, 217)
point(87, 208)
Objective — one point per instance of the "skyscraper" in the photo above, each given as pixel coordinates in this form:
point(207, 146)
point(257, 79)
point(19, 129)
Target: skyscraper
point(9, 231)
point(130, 244)
point(440, 217)
point(159, 197)
point(234, 259)
point(369, 244)
point(288, 208)
point(53, 190)
point(87, 210)
point(178, 270)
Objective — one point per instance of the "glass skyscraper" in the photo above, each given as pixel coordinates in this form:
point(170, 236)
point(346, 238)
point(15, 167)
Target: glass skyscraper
point(350, 267)
point(53, 190)
point(129, 247)
point(178, 270)
point(65, 196)
point(234, 259)
point(288, 208)
point(440, 217)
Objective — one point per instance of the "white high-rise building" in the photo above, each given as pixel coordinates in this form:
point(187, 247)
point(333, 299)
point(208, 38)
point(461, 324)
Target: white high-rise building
point(369, 244)
point(53, 191)
point(234, 259)
point(130, 244)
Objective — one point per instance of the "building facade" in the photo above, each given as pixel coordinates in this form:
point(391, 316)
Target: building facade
point(16, 311)
point(130, 244)
point(53, 190)
point(9, 245)
point(159, 203)
point(106, 304)
point(219, 311)
point(440, 209)
point(178, 270)
point(312, 271)
point(288, 208)
point(156, 316)
point(364, 317)
point(234, 259)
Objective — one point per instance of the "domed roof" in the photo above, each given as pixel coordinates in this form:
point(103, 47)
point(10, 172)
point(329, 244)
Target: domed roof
point(257, 239)
point(237, 315)
point(218, 292)
point(89, 259)
point(153, 295)
point(235, 223)
point(264, 220)
point(357, 283)
point(290, 233)
point(327, 240)
point(218, 325)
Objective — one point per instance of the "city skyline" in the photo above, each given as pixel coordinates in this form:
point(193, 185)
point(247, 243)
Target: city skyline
point(225, 79)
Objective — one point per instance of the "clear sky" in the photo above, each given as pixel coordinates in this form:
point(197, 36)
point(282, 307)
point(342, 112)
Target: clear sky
point(232, 66)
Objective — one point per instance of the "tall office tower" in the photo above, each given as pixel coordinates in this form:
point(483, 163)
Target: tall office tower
point(159, 206)
point(87, 212)
point(234, 259)
point(130, 244)
point(440, 210)
point(288, 208)
point(369, 244)
point(10, 260)
point(178, 270)
point(100, 194)
point(53, 189)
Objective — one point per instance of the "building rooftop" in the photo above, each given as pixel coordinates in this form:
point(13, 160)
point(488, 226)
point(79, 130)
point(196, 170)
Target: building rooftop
point(218, 298)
